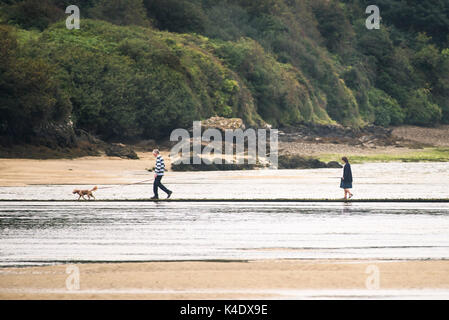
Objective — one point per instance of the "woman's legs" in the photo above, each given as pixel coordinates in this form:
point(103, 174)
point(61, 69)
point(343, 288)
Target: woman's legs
point(348, 192)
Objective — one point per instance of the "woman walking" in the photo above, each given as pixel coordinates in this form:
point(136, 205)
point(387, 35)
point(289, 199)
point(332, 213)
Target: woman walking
point(346, 181)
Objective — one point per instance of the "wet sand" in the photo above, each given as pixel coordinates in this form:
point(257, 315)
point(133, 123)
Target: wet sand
point(271, 279)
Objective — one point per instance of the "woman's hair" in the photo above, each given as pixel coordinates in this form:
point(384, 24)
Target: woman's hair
point(345, 159)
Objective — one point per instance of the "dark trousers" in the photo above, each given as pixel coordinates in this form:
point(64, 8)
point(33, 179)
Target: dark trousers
point(157, 184)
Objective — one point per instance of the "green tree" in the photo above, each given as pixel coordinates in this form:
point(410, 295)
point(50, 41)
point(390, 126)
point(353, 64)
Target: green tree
point(386, 109)
point(177, 15)
point(333, 25)
point(38, 14)
point(421, 110)
point(29, 94)
point(120, 12)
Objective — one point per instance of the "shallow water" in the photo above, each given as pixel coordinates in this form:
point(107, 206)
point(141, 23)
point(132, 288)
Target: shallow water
point(44, 233)
point(35, 233)
point(375, 180)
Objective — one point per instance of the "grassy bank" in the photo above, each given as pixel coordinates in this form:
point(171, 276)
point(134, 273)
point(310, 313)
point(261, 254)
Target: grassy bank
point(421, 155)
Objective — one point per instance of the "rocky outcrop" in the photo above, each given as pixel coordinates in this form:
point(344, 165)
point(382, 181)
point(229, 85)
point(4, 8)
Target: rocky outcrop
point(83, 136)
point(214, 167)
point(120, 150)
point(223, 124)
point(54, 135)
point(334, 165)
point(298, 162)
point(369, 136)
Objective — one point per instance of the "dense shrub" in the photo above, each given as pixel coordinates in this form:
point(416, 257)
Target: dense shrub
point(120, 12)
point(28, 14)
point(282, 61)
point(430, 16)
point(421, 110)
point(29, 94)
point(177, 15)
point(133, 82)
point(282, 93)
point(386, 109)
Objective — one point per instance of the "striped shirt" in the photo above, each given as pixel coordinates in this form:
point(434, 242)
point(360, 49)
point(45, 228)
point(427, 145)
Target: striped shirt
point(160, 166)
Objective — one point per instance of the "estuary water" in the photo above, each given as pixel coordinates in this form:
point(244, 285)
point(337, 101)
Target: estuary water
point(374, 180)
point(37, 233)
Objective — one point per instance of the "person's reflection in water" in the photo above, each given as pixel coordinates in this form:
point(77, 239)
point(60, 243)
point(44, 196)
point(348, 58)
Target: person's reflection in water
point(346, 209)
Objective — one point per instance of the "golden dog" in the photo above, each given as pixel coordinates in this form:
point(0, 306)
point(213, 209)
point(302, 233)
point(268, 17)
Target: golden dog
point(83, 193)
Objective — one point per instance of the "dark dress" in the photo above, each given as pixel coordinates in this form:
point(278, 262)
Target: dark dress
point(346, 182)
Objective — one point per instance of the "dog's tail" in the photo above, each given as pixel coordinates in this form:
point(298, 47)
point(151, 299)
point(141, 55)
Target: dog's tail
point(94, 189)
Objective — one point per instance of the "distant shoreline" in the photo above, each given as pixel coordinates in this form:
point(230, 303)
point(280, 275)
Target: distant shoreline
point(102, 169)
point(93, 171)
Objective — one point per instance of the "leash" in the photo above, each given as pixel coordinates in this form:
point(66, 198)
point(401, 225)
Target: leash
point(124, 185)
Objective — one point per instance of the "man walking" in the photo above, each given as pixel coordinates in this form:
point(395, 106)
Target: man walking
point(158, 174)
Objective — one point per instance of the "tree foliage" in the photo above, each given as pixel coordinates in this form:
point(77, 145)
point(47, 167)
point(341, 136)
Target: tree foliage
point(120, 12)
point(37, 14)
point(29, 94)
point(153, 65)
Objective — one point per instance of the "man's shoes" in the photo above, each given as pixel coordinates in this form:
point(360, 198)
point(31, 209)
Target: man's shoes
point(154, 198)
point(169, 194)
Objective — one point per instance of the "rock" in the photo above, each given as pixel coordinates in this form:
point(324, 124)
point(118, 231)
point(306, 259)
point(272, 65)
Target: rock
point(213, 167)
point(223, 124)
point(54, 135)
point(148, 145)
point(298, 162)
point(336, 134)
point(84, 136)
point(121, 151)
point(334, 165)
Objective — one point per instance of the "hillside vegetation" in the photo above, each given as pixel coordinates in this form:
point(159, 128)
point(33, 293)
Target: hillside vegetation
point(140, 68)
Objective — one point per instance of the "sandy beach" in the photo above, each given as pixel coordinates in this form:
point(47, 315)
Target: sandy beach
point(270, 279)
point(254, 279)
point(223, 150)
point(113, 170)
point(83, 171)
point(105, 170)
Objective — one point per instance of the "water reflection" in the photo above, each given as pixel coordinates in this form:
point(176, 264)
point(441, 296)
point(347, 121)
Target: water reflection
point(346, 208)
point(36, 233)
